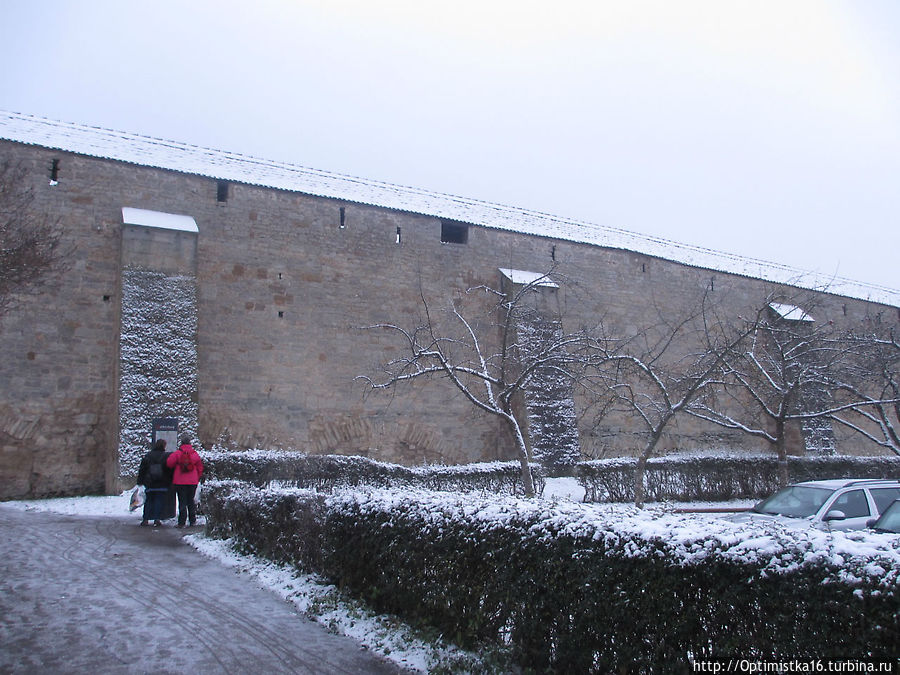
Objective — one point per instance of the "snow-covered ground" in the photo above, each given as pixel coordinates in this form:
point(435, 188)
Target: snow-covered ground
point(386, 635)
point(309, 594)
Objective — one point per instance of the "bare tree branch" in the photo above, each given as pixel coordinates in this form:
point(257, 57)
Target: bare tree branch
point(487, 379)
point(644, 378)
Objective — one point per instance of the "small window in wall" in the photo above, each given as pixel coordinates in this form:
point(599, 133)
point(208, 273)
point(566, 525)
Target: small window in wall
point(222, 191)
point(454, 233)
point(54, 172)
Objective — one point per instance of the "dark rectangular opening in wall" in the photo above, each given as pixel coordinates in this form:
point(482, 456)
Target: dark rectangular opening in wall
point(454, 233)
point(54, 172)
point(222, 191)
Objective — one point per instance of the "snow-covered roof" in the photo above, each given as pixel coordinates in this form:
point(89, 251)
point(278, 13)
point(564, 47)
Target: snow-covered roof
point(790, 312)
point(223, 165)
point(523, 278)
point(166, 221)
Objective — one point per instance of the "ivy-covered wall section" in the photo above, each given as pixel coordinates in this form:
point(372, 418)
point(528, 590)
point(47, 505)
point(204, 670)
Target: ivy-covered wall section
point(158, 359)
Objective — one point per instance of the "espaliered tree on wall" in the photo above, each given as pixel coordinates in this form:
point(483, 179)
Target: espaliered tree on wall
point(30, 250)
point(758, 372)
point(871, 383)
point(663, 370)
point(775, 377)
point(794, 370)
point(460, 346)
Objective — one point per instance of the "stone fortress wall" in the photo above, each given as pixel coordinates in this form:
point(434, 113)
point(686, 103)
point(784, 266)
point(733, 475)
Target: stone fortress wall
point(284, 284)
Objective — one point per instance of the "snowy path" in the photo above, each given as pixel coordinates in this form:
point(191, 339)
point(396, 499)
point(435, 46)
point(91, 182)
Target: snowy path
point(99, 594)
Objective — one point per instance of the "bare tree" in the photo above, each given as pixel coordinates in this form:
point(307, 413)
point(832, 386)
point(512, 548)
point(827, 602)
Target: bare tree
point(488, 372)
point(783, 374)
point(871, 383)
point(663, 371)
point(29, 241)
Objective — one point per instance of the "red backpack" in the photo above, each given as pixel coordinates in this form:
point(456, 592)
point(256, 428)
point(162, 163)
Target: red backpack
point(186, 461)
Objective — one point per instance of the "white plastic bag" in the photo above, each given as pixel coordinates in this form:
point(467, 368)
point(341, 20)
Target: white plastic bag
point(137, 498)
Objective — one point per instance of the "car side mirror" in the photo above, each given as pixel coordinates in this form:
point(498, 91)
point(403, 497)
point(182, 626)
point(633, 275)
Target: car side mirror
point(834, 515)
point(871, 522)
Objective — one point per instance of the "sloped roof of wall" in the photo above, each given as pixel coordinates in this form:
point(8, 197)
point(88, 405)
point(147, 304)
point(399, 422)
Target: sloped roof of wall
point(175, 156)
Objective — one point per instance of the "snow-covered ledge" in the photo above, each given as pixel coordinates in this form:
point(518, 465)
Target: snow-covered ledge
point(159, 219)
point(790, 312)
point(523, 278)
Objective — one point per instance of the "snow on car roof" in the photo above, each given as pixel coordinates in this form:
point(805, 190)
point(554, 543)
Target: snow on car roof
point(223, 165)
point(836, 483)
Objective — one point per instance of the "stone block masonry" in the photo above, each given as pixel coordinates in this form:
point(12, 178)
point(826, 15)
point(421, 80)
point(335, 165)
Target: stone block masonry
point(59, 349)
point(251, 328)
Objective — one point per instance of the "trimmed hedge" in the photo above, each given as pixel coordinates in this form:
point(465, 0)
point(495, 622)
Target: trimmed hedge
point(283, 525)
point(719, 478)
point(574, 588)
point(671, 478)
point(325, 473)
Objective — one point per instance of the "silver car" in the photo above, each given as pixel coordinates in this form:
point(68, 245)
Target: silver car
point(889, 520)
point(839, 504)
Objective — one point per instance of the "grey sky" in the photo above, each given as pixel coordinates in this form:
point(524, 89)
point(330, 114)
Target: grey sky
point(768, 129)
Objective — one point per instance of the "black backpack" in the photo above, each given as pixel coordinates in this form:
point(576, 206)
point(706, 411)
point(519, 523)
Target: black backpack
point(156, 472)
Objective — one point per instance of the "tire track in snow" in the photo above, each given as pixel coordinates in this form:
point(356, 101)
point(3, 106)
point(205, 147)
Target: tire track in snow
point(115, 560)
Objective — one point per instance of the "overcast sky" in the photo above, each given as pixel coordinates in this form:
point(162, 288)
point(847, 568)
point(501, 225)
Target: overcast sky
point(769, 129)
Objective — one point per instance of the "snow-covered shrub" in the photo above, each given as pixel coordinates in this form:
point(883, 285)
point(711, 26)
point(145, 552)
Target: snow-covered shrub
point(284, 525)
point(325, 473)
point(576, 588)
point(586, 588)
point(260, 467)
point(718, 477)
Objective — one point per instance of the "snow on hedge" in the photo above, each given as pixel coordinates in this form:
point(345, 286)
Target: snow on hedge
point(686, 539)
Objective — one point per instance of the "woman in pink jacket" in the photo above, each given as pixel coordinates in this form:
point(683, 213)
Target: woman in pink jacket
point(188, 468)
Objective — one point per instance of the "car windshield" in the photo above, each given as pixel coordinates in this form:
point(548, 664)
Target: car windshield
point(890, 519)
point(796, 501)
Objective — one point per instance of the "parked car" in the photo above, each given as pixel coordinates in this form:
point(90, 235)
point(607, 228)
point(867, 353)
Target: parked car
point(839, 504)
point(889, 520)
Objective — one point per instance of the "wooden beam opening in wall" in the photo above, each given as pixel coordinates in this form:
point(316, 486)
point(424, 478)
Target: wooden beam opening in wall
point(454, 233)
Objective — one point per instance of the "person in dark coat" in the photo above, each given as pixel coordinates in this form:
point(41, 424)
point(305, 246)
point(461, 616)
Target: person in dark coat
point(156, 477)
point(188, 468)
